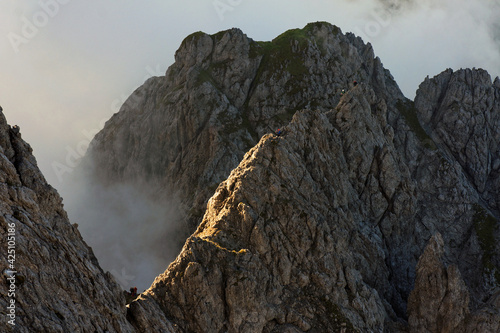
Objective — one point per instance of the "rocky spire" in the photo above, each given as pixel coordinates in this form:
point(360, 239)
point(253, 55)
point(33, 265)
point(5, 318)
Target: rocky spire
point(332, 240)
point(461, 112)
point(317, 229)
point(440, 300)
point(387, 174)
point(183, 133)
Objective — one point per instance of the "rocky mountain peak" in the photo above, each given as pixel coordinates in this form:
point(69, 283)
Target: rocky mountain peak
point(332, 242)
point(359, 160)
point(440, 301)
point(460, 110)
point(220, 96)
point(367, 212)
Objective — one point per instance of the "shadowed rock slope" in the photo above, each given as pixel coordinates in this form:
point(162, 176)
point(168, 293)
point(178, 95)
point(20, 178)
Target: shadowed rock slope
point(440, 301)
point(57, 284)
point(183, 133)
point(320, 230)
point(371, 213)
point(348, 213)
point(461, 112)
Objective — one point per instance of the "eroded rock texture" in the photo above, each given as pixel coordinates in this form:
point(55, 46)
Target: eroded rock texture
point(370, 213)
point(461, 112)
point(323, 226)
point(183, 133)
point(59, 286)
point(335, 212)
point(440, 300)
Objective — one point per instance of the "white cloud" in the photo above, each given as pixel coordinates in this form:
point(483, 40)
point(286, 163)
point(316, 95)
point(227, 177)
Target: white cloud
point(428, 37)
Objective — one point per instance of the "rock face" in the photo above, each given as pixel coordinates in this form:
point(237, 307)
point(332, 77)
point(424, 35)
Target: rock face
point(440, 300)
point(57, 284)
point(183, 133)
point(461, 112)
point(370, 213)
point(320, 229)
point(282, 260)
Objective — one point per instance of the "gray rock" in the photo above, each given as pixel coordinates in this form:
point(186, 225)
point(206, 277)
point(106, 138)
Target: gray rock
point(324, 228)
point(461, 112)
point(57, 284)
point(440, 300)
point(183, 133)
point(359, 167)
point(333, 238)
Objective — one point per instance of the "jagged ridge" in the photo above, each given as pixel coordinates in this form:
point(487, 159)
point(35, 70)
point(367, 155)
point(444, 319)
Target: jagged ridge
point(190, 128)
point(316, 230)
point(340, 216)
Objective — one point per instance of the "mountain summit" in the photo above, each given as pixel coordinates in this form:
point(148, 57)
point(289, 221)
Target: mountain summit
point(183, 133)
point(367, 212)
point(325, 223)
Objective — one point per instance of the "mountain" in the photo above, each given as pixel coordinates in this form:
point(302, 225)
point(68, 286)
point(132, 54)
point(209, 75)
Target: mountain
point(323, 227)
point(52, 280)
point(459, 110)
point(369, 213)
point(183, 133)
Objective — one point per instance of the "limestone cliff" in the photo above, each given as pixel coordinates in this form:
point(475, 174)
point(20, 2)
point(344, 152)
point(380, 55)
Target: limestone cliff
point(461, 112)
point(370, 213)
point(387, 179)
point(183, 133)
point(320, 230)
point(55, 283)
point(440, 300)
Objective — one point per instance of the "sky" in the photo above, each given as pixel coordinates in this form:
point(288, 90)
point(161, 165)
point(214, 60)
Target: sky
point(67, 65)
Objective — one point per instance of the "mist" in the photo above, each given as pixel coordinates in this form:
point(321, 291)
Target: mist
point(67, 66)
point(134, 235)
point(419, 38)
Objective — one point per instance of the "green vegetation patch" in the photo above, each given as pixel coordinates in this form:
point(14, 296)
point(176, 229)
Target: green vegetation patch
point(204, 76)
point(409, 111)
point(283, 53)
point(286, 50)
point(284, 56)
point(486, 226)
point(192, 37)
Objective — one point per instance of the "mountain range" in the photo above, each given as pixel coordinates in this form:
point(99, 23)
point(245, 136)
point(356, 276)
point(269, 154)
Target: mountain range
point(366, 212)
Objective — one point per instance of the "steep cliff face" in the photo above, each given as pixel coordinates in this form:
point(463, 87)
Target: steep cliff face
point(440, 300)
point(369, 174)
point(55, 283)
point(281, 247)
point(461, 112)
point(320, 230)
point(183, 133)
point(370, 213)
